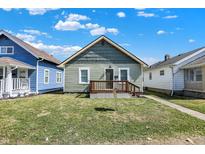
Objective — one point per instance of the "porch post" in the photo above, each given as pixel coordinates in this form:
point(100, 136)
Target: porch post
point(9, 80)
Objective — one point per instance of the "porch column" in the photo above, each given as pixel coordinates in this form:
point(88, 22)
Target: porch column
point(9, 80)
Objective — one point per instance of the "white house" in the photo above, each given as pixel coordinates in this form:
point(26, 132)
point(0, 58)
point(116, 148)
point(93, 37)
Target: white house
point(182, 74)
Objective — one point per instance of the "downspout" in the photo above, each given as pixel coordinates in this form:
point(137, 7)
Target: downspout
point(172, 92)
point(142, 68)
point(39, 60)
point(64, 78)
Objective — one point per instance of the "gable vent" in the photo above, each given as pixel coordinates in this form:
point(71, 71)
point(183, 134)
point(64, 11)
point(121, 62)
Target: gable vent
point(102, 42)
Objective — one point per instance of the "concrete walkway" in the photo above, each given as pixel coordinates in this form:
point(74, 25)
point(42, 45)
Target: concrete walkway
point(178, 107)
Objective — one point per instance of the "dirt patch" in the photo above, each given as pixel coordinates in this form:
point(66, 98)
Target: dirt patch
point(42, 114)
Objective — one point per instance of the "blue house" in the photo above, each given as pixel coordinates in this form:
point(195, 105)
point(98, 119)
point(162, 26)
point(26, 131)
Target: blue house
point(26, 70)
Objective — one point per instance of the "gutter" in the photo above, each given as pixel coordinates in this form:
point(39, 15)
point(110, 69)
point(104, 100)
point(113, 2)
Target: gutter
point(39, 60)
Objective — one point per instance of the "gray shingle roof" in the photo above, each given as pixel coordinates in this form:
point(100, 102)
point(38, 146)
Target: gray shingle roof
point(13, 62)
point(35, 51)
point(198, 62)
point(174, 59)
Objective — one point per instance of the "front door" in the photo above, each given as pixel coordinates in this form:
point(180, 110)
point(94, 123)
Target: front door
point(109, 77)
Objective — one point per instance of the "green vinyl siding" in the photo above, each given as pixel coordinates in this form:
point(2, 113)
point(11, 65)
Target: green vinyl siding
point(97, 59)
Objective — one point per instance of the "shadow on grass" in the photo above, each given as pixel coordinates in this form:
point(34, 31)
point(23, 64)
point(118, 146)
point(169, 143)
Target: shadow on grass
point(102, 109)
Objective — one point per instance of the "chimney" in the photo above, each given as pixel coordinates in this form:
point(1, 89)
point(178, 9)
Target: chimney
point(166, 57)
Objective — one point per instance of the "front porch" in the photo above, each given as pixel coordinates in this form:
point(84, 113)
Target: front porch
point(14, 78)
point(14, 88)
point(113, 89)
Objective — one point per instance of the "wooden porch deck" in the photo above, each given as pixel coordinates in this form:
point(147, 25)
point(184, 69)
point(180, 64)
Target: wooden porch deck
point(101, 86)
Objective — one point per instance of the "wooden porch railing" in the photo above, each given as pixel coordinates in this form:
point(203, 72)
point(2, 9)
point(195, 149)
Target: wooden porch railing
point(97, 86)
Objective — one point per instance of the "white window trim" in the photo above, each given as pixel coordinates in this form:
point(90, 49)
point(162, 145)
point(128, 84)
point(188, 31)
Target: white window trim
point(162, 74)
point(58, 72)
point(6, 49)
point(128, 73)
point(84, 68)
point(48, 76)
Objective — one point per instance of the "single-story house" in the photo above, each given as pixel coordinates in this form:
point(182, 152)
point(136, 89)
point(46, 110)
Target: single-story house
point(25, 70)
point(104, 69)
point(183, 74)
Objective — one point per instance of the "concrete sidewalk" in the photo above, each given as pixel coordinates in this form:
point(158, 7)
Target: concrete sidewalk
point(178, 107)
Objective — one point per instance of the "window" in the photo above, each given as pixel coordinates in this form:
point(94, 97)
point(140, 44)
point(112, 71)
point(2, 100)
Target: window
point(124, 74)
point(22, 73)
point(1, 73)
point(162, 73)
point(84, 75)
point(6, 49)
point(150, 75)
point(46, 76)
point(58, 77)
point(194, 74)
point(198, 74)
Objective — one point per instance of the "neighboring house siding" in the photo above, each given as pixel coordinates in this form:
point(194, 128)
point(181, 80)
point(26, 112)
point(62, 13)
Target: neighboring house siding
point(159, 82)
point(97, 58)
point(32, 76)
point(52, 85)
point(19, 53)
point(22, 55)
point(179, 73)
point(179, 80)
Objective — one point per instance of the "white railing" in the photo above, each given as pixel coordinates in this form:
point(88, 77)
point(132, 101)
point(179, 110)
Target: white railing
point(20, 83)
point(1, 87)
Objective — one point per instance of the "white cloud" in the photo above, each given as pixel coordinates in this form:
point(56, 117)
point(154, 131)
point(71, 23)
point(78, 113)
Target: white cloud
point(72, 23)
point(7, 9)
point(121, 14)
point(103, 31)
point(34, 32)
point(170, 17)
point(91, 26)
point(160, 32)
point(68, 25)
point(39, 11)
point(191, 40)
point(113, 31)
point(143, 14)
point(65, 50)
point(77, 17)
point(26, 37)
point(125, 44)
point(98, 31)
point(150, 60)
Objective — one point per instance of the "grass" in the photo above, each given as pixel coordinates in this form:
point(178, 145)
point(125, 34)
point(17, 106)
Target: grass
point(191, 103)
point(68, 119)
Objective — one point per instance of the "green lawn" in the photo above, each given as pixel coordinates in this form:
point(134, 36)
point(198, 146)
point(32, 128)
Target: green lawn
point(191, 103)
point(69, 119)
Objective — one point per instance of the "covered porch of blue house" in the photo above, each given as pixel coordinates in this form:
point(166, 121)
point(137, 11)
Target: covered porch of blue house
point(14, 78)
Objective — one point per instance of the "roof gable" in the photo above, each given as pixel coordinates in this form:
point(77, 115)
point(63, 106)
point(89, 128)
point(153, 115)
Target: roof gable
point(34, 51)
point(115, 45)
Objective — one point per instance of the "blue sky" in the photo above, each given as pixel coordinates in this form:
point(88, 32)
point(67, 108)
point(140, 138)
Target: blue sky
point(147, 33)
